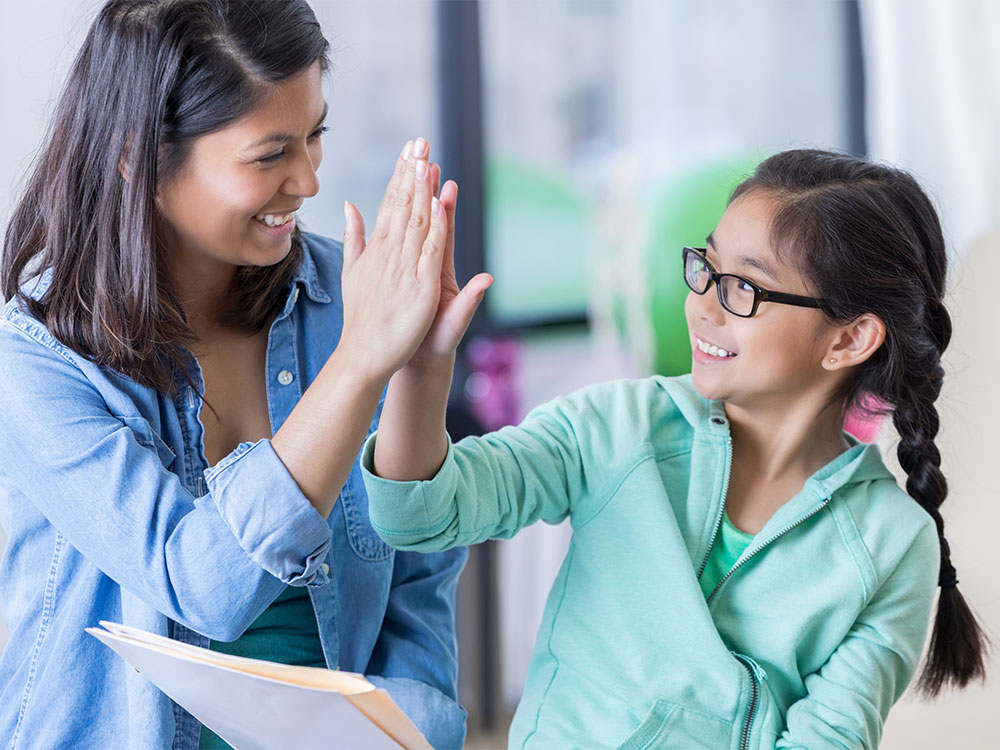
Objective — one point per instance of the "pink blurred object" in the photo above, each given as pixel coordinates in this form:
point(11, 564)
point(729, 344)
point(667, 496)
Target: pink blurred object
point(490, 388)
point(860, 422)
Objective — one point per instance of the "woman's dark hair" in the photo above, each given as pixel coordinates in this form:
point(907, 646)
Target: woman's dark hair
point(152, 76)
point(869, 241)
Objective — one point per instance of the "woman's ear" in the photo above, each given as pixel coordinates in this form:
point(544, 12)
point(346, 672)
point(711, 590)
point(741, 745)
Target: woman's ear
point(854, 342)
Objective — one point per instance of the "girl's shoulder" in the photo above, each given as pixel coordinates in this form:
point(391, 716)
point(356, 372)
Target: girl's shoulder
point(658, 411)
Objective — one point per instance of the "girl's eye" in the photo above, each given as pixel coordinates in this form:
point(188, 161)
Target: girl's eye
point(745, 287)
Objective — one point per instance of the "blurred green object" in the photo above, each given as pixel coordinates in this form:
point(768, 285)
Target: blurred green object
point(684, 212)
point(537, 241)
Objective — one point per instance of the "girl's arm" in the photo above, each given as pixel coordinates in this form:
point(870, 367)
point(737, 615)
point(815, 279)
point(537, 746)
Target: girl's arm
point(412, 442)
point(848, 699)
point(391, 290)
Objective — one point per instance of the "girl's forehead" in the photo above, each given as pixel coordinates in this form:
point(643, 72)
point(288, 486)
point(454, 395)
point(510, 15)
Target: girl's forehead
point(743, 234)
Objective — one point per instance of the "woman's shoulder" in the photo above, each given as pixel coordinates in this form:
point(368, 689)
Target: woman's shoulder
point(18, 323)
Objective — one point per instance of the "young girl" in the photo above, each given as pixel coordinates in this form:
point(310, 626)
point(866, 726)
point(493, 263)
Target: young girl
point(187, 380)
point(742, 572)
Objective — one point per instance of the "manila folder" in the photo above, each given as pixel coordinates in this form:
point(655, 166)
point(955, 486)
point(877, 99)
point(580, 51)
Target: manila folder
point(261, 705)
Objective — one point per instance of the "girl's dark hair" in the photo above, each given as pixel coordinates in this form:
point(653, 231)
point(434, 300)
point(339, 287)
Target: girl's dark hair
point(869, 240)
point(152, 76)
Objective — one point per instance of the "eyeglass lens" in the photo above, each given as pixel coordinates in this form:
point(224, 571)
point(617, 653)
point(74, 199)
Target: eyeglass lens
point(735, 294)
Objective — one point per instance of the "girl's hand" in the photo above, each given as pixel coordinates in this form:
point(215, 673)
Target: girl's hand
point(392, 285)
point(456, 305)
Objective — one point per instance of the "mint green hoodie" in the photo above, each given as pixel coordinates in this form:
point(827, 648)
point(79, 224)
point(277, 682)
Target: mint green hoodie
point(806, 643)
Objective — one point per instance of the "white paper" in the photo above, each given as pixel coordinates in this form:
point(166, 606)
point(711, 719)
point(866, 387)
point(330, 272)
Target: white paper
point(248, 711)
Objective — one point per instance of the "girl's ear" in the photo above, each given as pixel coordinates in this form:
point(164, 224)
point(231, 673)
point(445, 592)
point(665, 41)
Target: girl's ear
point(855, 342)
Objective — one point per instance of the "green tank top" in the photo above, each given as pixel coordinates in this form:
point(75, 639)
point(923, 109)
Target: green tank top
point(729, 544)
point(285, 632)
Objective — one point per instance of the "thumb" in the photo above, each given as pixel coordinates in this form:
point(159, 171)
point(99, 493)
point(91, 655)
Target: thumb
point(354, 234)
point(464, 306)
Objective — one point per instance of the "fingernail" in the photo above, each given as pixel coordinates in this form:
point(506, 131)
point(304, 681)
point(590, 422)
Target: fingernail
point(347, 212)
point(435, 206)
point(421, 169)
point(407, 150)
point(420, 149)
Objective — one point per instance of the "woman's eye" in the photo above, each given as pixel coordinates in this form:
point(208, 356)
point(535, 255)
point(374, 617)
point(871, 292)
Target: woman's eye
point(271, 158)
point(318, 132)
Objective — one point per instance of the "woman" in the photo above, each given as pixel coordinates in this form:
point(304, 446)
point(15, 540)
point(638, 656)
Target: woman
point(186, 387)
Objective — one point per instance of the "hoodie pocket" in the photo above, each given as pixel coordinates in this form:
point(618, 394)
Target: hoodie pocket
point(669, 726)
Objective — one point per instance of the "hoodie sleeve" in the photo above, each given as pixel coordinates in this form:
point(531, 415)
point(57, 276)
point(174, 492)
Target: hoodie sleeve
point(848, 699)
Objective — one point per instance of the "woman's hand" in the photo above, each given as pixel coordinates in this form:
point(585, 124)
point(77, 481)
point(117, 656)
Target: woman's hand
point(392, 285)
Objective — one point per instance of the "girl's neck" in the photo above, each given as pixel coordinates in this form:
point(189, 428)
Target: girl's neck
point(794, 441)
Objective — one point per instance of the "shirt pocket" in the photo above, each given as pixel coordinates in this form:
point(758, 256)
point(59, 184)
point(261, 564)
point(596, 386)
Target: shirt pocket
point(365, 543)
point(147, 437)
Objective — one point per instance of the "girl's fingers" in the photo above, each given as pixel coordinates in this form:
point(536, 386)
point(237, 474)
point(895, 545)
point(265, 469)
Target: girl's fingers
point(449, 200)
point(432, 245)
point(435, 178)
point(354, 235)
point(460, 311)
point(404, 199)
point(381, 228)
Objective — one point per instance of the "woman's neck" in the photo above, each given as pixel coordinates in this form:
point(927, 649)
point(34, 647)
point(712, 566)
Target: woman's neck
point(203, 290)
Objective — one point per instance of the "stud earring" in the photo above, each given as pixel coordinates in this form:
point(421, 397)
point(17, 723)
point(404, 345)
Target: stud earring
point(833, 360)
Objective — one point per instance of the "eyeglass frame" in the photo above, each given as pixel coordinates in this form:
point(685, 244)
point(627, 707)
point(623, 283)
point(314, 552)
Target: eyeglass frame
point(760, 294)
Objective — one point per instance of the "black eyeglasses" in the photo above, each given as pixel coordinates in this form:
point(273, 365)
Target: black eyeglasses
point(737, 295)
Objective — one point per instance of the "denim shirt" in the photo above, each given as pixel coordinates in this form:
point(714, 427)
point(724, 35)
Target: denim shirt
point(113, 513)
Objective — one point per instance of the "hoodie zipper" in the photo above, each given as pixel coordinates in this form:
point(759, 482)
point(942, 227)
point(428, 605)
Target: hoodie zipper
point(789, 527)
point(722, 505)
point(756, 674)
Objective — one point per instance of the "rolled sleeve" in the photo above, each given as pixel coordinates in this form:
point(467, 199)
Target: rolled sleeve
point(284, 535)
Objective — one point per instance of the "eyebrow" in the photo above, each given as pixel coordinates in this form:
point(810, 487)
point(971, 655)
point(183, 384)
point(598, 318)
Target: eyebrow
point(285, 137)
point(749, 260)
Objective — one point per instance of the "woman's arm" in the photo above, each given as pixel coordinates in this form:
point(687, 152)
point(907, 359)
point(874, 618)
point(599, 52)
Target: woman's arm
point(415, 657)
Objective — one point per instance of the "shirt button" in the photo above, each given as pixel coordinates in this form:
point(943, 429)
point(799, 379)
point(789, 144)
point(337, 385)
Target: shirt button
point(325, 568)
point(718, 420)
point(285, 377)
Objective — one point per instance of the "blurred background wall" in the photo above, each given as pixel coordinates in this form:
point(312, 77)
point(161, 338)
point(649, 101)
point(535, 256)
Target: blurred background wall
point(593, 138)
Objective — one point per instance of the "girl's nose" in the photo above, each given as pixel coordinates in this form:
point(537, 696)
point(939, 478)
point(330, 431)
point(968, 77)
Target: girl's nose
point(707, 306)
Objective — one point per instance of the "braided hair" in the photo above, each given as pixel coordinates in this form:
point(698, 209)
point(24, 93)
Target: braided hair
point(870, 241)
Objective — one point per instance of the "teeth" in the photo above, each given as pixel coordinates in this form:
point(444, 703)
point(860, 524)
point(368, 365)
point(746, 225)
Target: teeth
point(274, 220)
point(712, 349)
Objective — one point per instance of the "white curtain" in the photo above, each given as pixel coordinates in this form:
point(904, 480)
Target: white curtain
point(933, 101)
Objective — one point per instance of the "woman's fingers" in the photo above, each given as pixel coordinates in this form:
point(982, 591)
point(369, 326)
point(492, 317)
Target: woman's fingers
point(354, 234)
point(420, 225)
point(404, 201)
point(385, 211)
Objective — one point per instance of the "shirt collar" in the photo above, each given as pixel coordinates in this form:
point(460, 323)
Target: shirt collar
point(307, 276)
